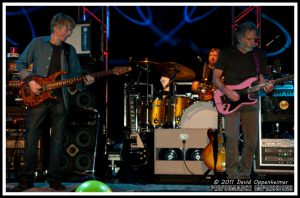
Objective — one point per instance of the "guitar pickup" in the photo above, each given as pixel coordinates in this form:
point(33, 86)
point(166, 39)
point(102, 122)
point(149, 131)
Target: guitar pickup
point(224, 99)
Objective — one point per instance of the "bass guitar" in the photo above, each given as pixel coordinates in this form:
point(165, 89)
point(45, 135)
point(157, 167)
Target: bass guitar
point(48, 84)
point(225, 106)
point(214, 154)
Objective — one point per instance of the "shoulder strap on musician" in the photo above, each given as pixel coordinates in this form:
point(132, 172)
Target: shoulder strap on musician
point(256, 61)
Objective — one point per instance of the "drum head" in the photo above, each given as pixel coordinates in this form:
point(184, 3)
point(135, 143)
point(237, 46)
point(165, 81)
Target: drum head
point(200, 115)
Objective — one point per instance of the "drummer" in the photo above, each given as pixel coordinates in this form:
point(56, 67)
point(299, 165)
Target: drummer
point(203, 85)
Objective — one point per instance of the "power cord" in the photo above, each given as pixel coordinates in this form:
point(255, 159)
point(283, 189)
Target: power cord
point(183, 147)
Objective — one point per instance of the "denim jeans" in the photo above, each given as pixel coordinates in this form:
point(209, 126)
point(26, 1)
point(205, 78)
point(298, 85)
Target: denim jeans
point(239, 166)
point(56, 111)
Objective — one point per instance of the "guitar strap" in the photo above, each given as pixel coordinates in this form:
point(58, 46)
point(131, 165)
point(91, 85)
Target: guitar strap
point(215, 150)
point(256, 61)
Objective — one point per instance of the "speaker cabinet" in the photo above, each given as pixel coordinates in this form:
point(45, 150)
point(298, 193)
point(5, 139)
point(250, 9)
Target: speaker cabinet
point(78, 148)
point(169, 151)
point(275, 151)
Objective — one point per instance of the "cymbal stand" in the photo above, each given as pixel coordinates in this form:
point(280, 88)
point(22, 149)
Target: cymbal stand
point(146, 69)
point(147, 100)
point(173, 98)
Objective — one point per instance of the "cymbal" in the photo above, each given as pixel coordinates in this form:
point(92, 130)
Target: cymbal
point(144, 63)
point(181, 72)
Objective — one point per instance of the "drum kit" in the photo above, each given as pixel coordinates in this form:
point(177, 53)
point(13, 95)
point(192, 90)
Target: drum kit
point(145, 109)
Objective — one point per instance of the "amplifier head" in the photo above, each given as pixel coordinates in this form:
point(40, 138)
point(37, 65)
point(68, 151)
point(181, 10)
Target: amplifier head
point(277, 108)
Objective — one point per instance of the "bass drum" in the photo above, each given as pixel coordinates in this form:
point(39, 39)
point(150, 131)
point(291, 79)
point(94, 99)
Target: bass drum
point(200, 115)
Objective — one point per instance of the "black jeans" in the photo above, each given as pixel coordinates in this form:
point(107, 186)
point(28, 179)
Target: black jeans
point(35, 124)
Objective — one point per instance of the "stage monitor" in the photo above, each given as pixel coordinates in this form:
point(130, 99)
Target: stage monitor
point(81, 38)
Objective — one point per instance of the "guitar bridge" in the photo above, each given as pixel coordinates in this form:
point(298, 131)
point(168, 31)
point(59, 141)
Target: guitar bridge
point(133, 141)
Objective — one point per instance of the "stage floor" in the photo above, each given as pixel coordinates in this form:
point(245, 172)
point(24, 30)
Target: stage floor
point(121, 187)
point(188, 185)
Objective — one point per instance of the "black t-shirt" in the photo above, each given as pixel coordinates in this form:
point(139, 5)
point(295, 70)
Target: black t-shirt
point(237, 67)
point(55, 66)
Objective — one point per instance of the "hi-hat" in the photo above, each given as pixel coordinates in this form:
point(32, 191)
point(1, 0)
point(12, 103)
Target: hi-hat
point(180, 72)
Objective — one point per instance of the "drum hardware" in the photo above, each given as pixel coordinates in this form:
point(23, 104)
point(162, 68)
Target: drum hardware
point(176, 72)
point(144, 66)
point(139, 98)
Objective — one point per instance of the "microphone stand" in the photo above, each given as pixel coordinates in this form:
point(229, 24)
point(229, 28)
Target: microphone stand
point(96, 141)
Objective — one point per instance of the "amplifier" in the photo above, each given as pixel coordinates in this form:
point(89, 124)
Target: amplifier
point(278, 155)
point(15, 148)
point(277, 151)
point(172, 158)
point(15, 132)
point(280, 108)
point(17, 143)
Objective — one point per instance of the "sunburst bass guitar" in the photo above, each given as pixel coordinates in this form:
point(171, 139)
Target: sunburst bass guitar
point(49, 84)
point(225, 106)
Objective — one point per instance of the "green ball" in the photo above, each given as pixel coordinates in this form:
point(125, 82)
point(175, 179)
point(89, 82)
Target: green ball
point(93, 186)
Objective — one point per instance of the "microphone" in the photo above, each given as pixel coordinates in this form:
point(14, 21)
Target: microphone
point(199, 59)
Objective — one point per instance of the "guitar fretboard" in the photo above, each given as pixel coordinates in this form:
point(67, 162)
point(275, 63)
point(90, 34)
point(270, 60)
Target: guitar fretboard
point(72, 81)
point(220, 130)
point(260, 86)
point(133, 113)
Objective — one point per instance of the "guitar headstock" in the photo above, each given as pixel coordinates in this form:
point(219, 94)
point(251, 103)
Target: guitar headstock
point(121, 70)
point(282, 80)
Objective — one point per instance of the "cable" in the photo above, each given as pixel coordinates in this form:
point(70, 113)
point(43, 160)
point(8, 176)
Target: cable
point(184, 161)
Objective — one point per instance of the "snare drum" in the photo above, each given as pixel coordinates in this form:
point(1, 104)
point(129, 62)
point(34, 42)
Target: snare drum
point(200, 115)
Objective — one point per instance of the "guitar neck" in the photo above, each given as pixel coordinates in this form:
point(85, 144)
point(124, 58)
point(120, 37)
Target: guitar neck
point(220, 131)
point(75, 80)
point(220, 124)
point(133, 117)
point(261, 86)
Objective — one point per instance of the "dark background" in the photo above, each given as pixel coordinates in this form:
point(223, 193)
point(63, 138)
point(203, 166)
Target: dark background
point(131, 38)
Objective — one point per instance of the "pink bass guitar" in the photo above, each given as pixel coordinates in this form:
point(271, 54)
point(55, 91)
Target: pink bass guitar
point(225, 106)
